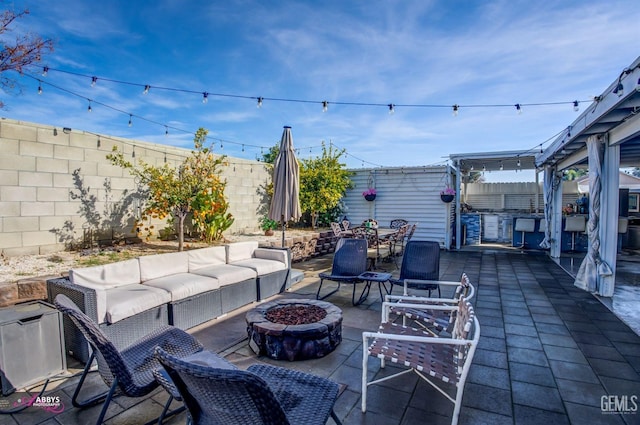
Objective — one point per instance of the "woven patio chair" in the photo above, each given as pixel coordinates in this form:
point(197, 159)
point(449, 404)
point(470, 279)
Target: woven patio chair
point(349, 261)
point(129, 371)
point(262, 394)
point(420, 267)
point(418, 310)
point(345, 224)
point(431, 358)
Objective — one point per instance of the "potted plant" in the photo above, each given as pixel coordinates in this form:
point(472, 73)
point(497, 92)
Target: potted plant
point(268, 225)
point(369, 194)
point(447, 194)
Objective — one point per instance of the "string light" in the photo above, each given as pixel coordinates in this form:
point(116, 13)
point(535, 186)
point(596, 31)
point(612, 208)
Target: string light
point(166, 131)
point(518, 163)
point(130, 120)
point(133, 152)
point(39, 87)
point(392, 108)
point(89, 107)
point(325, 106)
point(165, 157)
point(147, 87)
point(45, 71)
point(242, 148)
point(501, 166)
point(94, 80)
point(205, 97)
point(576, 105)
point(260, 102)
point(569, 132)
point(471, 169)
point(518, 108)
point(455, 110)
point(55, 131)
point(98, 143)
point(484, 168)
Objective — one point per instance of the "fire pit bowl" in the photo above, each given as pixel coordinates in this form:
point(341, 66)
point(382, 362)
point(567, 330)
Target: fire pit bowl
point(294, 338)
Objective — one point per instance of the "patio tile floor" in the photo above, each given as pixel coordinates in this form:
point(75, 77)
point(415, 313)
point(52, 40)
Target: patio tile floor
point(548, 352)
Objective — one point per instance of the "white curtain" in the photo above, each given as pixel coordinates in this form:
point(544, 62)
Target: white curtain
point(592, 265)
point(549, 176)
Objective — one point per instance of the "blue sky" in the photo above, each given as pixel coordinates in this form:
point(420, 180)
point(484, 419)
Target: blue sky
point(408, 52)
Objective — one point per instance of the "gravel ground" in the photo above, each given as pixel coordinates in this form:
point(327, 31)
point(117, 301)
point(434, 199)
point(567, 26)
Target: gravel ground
point(15, 268)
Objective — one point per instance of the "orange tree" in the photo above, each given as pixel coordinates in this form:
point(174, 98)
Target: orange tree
point(194, 187)
point(323, 181)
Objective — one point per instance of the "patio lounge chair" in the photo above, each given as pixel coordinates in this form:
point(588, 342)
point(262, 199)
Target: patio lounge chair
point(431, 358)
point(421, 265)
point(349, 261)
point(262, 394)
point(131, 370)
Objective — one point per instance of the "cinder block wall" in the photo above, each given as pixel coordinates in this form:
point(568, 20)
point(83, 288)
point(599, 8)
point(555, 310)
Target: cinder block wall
point(38, 213)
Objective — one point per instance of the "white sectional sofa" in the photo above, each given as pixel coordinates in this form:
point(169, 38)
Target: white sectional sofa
point(131, 298)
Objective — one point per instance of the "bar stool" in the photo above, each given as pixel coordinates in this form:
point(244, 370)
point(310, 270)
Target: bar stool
point(525, 225)
point(575, 224)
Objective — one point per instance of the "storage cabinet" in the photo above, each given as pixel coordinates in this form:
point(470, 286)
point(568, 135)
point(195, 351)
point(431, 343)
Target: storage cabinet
point(31, 345)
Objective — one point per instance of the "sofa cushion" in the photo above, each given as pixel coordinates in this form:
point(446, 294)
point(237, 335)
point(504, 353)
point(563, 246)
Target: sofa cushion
point(205, 257)
point(261, 266)
point(238, 251)
point(127, 301)
point(227, 274)
point(155, 266)
point(272, 254)
point(184, 285)
point(107, 276)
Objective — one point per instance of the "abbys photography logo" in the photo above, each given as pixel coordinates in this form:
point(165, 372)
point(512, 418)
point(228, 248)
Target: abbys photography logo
point(619, 404)
point(51, 404)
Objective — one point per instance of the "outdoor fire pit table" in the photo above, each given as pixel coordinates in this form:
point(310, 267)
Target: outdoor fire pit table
point(294, 329)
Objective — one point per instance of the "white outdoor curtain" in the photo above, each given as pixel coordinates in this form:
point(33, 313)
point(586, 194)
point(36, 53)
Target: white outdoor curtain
point(592, 266)
point(549, 176)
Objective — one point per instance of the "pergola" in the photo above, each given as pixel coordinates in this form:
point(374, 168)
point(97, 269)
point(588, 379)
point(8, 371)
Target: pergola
point(603, 139)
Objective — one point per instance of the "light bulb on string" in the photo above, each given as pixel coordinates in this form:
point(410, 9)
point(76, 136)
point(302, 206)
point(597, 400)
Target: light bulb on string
point(94, 80)
point(147, 87)
point(221, 145)
point(471, 168)
point(39, 87)
point(133, 152)
point(45, 70)
point(325, 106)
point(455, 110)
point(576, 105)
point(260, 102)
point(165, 157)
point(130, 120)
point(501, 166)
point(392, 108)
point(205, 97)
point(98, 143)
point(89, 109)
point(242, 148)
point(518, 163)
point(518, 108)
point(484, 168)
point(166, 131)
point(541, 151)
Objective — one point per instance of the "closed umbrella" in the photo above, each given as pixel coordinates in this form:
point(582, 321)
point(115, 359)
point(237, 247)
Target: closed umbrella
point(285, 203)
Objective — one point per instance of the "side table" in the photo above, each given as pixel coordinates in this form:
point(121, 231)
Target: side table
point(370, 277)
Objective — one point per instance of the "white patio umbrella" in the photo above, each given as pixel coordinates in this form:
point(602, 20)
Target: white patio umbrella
point(285, 203)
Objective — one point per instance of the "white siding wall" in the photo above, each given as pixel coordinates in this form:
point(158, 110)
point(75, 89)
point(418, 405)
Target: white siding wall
point(409, 193)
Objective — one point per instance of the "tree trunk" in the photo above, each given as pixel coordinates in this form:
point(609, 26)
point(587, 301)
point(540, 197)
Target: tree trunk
point(181, 231)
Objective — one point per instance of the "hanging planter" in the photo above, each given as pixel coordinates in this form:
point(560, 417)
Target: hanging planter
point(369, 194)
point(447, 195)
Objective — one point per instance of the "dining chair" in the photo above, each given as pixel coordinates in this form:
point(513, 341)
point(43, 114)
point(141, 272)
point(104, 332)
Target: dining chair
point(349, 261)
point(420, 267)
point(397, 223)
point(129, 371)
point(262, 394)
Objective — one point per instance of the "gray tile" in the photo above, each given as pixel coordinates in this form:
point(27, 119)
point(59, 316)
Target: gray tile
point(548, 328)
point(581, 414)
point(490, 358)
point(565, 354)
point(621, 387)
point(493, 344)
point(573, 371)
point(518, 320)
point(580, 392)
point(489, 399)
point(469, 415)
point(614, 369)
point(511, 328)
point(536, 396)
point(532, 374)
point(524, 415)
point(490, 376)
point(559, 340)
point(528, 356)
point(492, 331)
point(522, 341)
point(601, 352)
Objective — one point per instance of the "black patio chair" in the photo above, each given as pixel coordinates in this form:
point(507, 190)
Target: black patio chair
point(421, 261)
point(130, 371)
point(262, 394)
point(349, 261)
